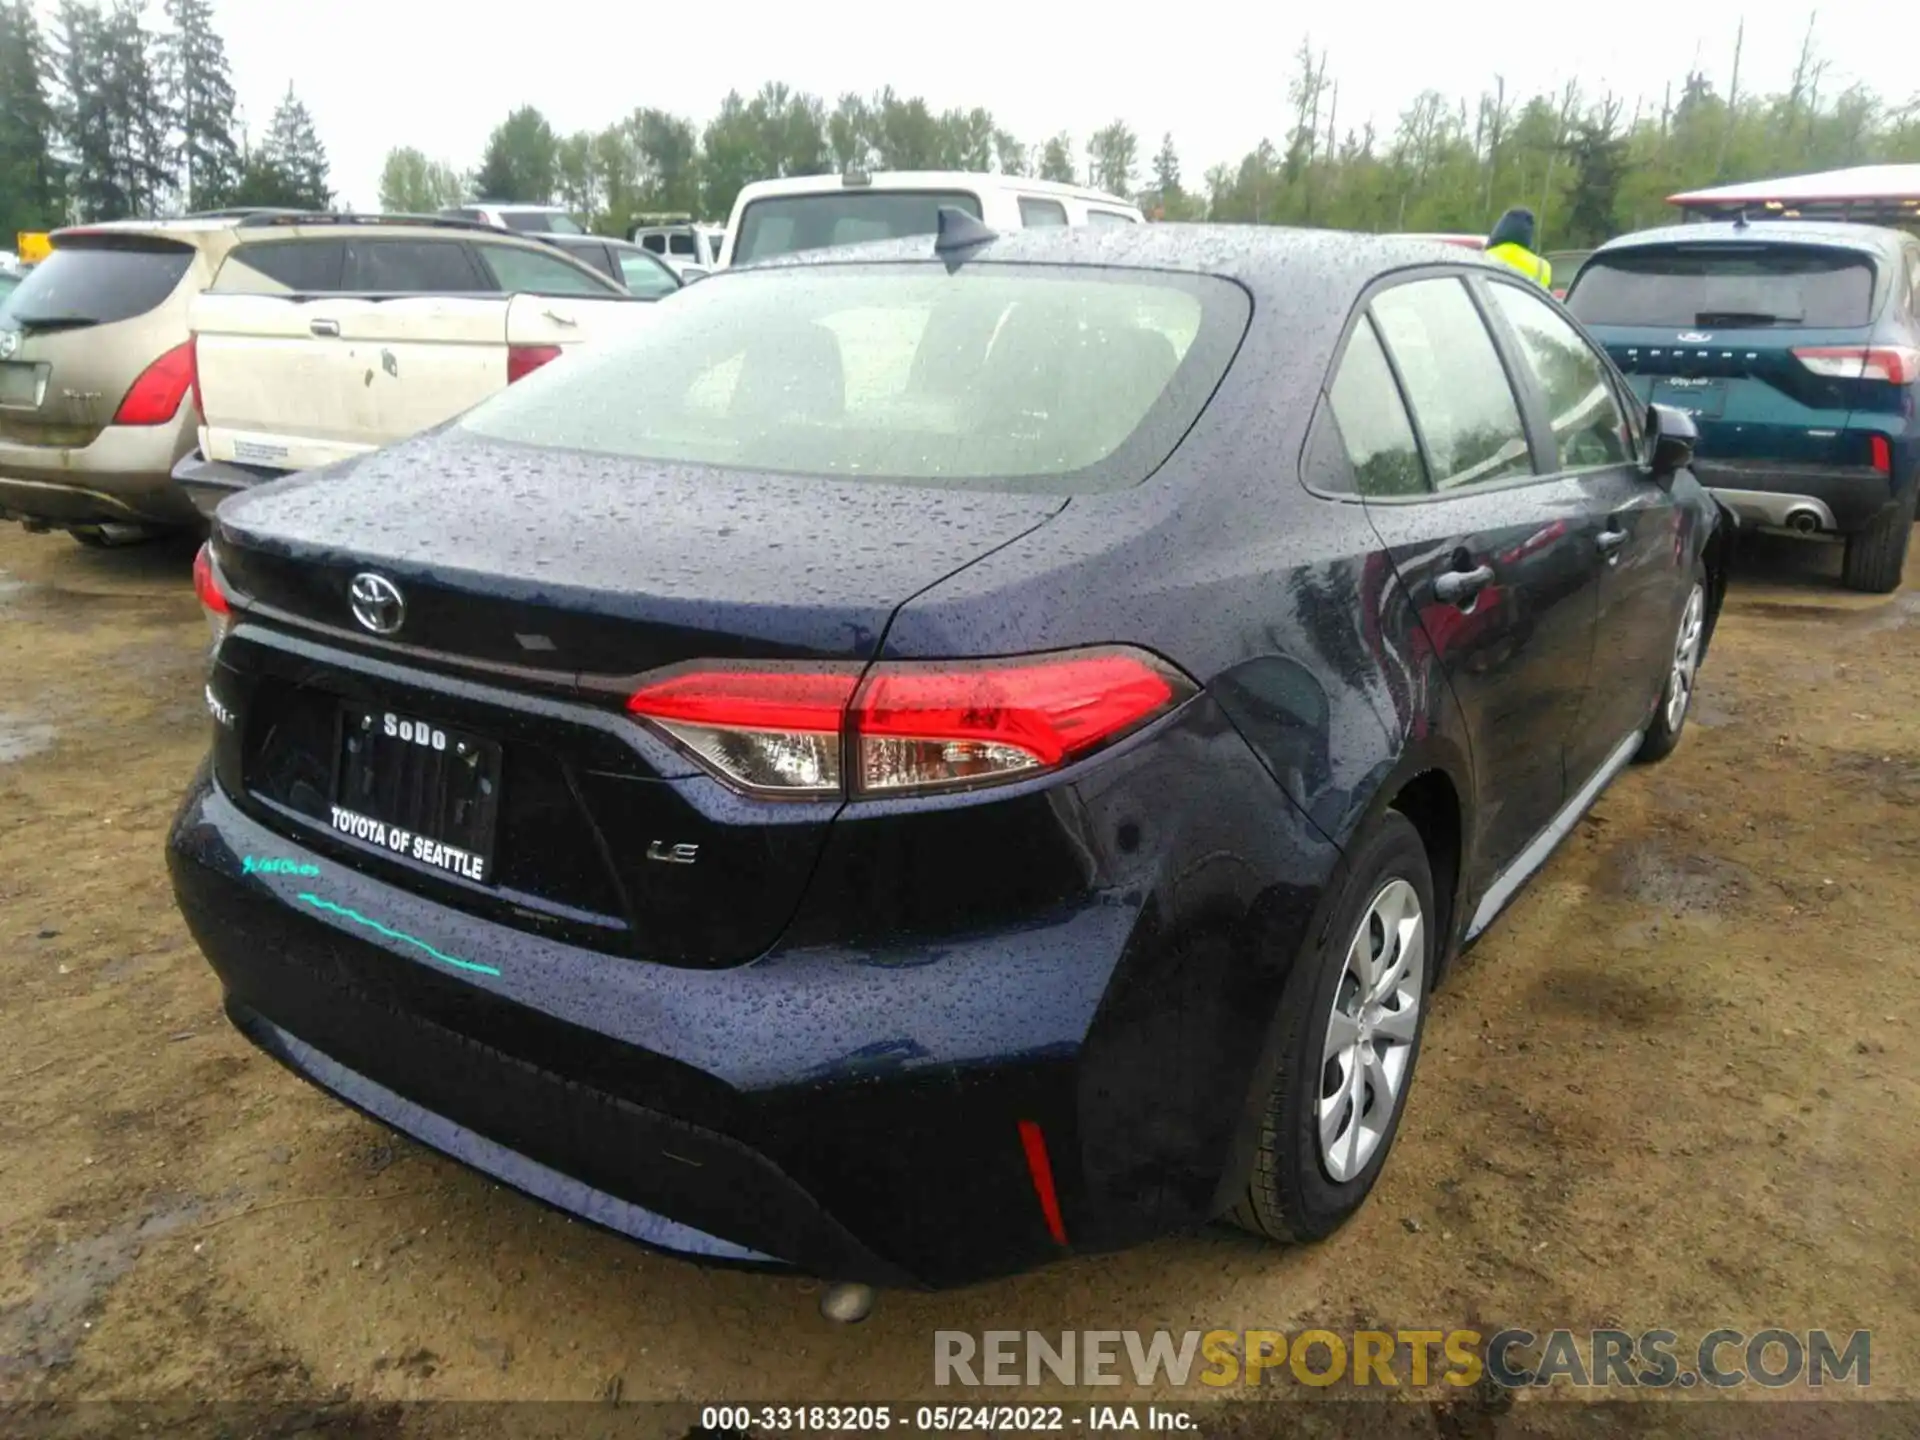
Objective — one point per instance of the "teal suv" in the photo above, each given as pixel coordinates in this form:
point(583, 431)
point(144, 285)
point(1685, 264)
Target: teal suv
point(1795, 345)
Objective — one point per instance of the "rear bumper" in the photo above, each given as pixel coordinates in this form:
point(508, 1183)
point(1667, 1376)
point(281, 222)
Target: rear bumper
point(124, 477)
point(1807, 499)
point(207, 482)
point(850, 1110)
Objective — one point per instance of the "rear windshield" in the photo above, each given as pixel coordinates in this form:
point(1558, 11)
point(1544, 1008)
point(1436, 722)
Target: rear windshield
point(1738, 286)
point(787, 224)
point(542, 222)
point(995, 377)
point(93, 283)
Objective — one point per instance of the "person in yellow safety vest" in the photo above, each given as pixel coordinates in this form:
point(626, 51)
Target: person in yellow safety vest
point(1512, 242)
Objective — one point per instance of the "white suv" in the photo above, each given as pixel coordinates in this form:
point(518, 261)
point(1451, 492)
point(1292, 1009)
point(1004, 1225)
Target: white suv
point(324, 336)
point(815, 212)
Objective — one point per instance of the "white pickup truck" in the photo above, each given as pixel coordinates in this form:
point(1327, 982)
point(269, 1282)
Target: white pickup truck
point(322, 337)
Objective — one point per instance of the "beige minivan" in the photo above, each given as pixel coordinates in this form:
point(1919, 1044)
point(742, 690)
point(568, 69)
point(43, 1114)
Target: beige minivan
point(97, 396)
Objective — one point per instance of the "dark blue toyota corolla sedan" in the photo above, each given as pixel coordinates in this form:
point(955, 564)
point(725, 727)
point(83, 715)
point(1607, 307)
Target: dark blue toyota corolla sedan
point(939, 756)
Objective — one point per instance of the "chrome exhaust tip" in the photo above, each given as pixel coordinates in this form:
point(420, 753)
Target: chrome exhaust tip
point(1803, 521)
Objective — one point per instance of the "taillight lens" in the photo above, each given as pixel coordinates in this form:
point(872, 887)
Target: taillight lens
point(1896, 364)
point(213, 599)
point(909, 727)
point(773, 729)
point(155, 397)
point(1882, 451)
point(523, 360)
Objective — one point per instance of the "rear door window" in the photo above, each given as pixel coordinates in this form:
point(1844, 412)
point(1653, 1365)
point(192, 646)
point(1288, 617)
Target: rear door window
point(284, 267)
point(594, 255)
point(528, 272)
point(1109, 217)
point(646, 277)
point(1747, 286)
point(681, 243)
point(656, 243)
point(411, 267)
point(1038, 214)
point(1455, 383)
point(787, 224)
point(1589, 427)
point(1373, 421)
point(97, 281)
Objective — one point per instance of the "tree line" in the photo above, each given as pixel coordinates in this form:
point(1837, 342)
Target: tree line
point(111, 111)
point(1589, 167)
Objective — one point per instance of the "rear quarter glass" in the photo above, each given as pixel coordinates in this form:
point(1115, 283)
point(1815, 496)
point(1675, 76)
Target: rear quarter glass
point(100, 280)
point(1732, 286)
point(1042, 379)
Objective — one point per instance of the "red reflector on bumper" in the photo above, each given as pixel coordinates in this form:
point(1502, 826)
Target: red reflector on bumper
point(1034, 1142)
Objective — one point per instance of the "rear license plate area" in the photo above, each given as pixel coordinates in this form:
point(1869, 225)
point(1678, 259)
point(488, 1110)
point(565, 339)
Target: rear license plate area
point(21, 385)
point(417, 789)
point(1702, 398)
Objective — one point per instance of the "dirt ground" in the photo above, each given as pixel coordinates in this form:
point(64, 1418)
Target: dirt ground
point(1669, 1088)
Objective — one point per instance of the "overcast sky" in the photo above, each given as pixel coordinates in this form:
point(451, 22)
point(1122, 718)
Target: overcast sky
point(440, 75)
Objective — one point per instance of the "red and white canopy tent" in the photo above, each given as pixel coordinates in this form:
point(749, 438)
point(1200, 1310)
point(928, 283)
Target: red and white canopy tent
point(1869, 194)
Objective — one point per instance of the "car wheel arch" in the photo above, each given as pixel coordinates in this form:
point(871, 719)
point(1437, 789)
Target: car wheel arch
point(1427, 788)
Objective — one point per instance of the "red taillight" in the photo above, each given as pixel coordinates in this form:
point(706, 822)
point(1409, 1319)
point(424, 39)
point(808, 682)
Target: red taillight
point(909, 727)
point(523, 360)
point(206, 584)
point(1882, 454)
point(1895, 364)
point(921, 726)
point(155, 397)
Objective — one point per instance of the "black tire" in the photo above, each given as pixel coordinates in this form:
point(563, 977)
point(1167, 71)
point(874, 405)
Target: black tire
point(1291, 1196)
point(1877, 555)
point(1664, 732)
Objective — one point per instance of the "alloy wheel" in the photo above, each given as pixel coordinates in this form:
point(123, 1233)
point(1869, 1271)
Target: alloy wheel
point(1376, 1016)
point(1686, 658)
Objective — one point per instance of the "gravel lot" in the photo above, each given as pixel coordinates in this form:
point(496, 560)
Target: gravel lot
point(1669, 1088)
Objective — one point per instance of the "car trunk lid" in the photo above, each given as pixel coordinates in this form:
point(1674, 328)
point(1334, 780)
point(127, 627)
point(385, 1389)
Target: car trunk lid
point(536, 585)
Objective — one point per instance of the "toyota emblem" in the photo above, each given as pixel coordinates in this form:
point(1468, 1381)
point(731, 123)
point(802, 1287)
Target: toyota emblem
point(377, 603)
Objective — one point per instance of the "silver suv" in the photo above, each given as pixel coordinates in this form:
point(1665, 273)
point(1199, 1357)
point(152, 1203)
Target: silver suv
point(97, 394)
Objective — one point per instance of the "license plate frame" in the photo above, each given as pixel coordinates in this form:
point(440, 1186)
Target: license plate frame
point(23, 384)
point(417, 788)
point(1703, 399)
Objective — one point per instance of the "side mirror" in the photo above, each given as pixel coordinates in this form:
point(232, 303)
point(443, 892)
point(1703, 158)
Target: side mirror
point(1671, 436)
point(691, 273)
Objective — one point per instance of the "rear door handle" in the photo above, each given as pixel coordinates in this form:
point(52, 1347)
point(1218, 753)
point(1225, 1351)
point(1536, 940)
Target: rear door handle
point(1610, 542)
point(1458, 586)
point(560, 319)
point(325, 327)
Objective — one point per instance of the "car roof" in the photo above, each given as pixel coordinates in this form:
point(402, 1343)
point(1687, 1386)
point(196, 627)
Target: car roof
point(931, 180)
point(1264, 257)
point(1870, 239)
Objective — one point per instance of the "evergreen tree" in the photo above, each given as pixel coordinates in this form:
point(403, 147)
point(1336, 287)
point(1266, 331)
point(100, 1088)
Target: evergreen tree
point(293, 152)
point(199, 90)
point(1056, 159)
point(31, 192)
point(136, 111)
point(82, 114)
